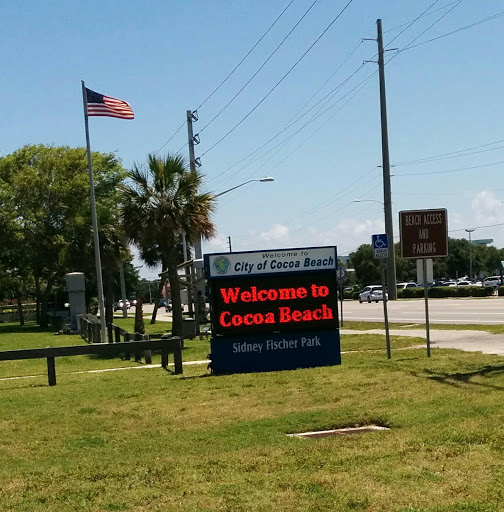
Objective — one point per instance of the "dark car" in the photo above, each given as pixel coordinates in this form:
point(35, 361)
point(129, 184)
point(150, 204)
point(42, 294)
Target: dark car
point(119, 305)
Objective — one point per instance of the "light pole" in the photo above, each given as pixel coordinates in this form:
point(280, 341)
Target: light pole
point(261, 180)
point(198, 253)
point(470, 253)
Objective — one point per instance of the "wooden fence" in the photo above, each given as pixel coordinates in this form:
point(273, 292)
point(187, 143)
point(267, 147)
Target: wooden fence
point(166, 345)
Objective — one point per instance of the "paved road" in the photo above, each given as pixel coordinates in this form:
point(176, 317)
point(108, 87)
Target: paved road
point(488, 310)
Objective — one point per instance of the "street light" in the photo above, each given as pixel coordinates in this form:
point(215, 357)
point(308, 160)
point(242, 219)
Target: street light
point(470, 253)
point(198, 252)
point(261, 180)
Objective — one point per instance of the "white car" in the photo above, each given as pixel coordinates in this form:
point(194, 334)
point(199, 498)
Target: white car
point(403, 286)
point(494, 281)
point(371, 293)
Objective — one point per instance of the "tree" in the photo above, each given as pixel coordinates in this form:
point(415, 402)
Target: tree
point(159, 203)
point(48, 189)
point(367, 269)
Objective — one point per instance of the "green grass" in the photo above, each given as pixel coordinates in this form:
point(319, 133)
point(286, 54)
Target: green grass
point(153, 441)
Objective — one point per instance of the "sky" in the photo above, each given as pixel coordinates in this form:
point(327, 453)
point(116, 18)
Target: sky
point(285, 89)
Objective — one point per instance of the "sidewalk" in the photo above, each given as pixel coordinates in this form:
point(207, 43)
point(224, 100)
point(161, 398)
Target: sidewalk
point(469, 341)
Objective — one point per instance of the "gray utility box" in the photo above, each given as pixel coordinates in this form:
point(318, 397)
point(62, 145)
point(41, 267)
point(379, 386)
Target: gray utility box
point(76, 287)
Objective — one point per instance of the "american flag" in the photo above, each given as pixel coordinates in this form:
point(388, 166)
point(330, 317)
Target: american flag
point(100, 105)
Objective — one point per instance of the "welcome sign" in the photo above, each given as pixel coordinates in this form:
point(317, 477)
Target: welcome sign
point(273, 310)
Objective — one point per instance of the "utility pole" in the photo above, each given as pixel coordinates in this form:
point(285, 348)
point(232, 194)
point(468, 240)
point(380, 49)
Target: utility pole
point(192, 139)
point(229, 243)
point(387, 194)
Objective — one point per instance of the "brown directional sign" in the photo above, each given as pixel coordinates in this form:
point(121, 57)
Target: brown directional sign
point(424, 233)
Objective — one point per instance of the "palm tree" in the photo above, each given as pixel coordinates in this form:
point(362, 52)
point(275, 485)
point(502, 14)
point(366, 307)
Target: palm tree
point(160, 202)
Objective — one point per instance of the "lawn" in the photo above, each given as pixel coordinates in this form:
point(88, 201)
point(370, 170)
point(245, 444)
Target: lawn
point(153, 441)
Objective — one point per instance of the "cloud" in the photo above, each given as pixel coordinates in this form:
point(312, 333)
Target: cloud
point(277, 233)
point(487, 208)
point(346, 234)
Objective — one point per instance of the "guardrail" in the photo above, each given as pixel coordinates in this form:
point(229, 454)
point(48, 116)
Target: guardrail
point(165, 344)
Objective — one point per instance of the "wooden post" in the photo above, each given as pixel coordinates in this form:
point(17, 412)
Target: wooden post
point(147, 353)
point(117, 334)
point(164, 358)
point(110, 335)
point(51, 371)
point(127, 355)
point(177, 356)
point(89, 332)
point(138, 355)
point(97, 333)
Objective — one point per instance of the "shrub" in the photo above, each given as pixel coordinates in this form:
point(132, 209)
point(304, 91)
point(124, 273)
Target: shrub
point(500, 291)
point(482, 291)
point(411, 293)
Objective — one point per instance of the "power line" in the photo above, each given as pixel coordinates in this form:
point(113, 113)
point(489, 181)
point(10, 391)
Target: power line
point(449, 170)
point(412, 22)
point(315, 116)
point(446, 156)
point(484, 20)
point(228, 76)
point(280, 81)
point(325, 83)
point(330, 95)
point(430, 26)
point(258, 70)
point(421, 16)
point(247, 54)
point(176, 131)
point(478, 227)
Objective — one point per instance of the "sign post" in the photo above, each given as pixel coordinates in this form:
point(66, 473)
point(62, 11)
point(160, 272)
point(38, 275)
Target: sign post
point(341, 274)
point(424, 235)
point(426, 295)
point(380, 251)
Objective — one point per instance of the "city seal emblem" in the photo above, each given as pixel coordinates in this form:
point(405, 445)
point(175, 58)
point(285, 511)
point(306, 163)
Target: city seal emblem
point(221, 265)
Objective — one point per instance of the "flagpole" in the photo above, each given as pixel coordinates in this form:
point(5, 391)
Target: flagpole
point(99, 279)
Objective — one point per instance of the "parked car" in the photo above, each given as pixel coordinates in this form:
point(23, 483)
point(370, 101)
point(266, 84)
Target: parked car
point(402, 286)
point(494, 281)
point(119, 305)
point(466, 283)
point(373, 292)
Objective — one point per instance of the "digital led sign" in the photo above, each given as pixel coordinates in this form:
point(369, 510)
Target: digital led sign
point(244, 306)
point(273, 310)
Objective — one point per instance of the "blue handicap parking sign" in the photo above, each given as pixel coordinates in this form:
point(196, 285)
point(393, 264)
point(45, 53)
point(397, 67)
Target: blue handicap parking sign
point(380, 246)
